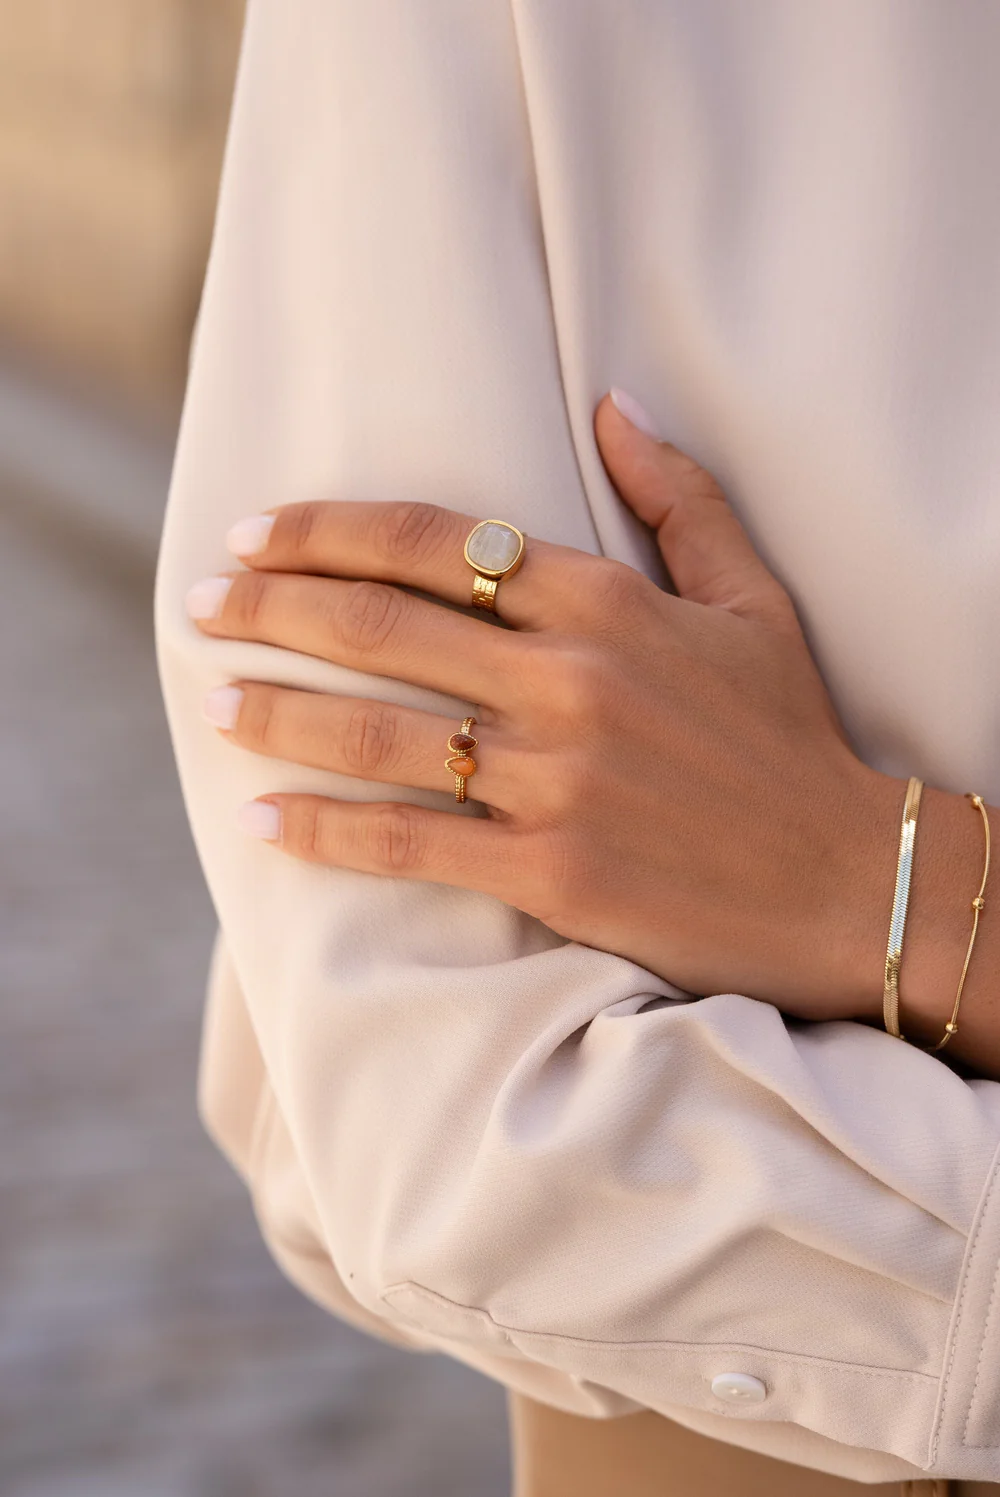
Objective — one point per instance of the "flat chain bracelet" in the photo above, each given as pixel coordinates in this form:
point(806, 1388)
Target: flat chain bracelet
point(900, 900)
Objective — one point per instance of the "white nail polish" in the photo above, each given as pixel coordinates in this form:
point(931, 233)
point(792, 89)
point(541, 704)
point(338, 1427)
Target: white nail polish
point(222, 706)
point(260, 819)
point(634, 412)
point(250, 537)
point(206, 598)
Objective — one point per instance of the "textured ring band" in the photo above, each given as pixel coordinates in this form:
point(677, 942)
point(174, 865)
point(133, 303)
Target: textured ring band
point(461, 763)
point(494, 550)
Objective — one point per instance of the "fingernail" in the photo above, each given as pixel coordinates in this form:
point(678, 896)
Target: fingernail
point(222, 706)
point(249, 537)
point(260, 819)
point(634, 412)
point(205, 599)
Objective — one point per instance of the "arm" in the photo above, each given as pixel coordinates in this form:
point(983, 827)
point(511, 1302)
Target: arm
point(536, 1154)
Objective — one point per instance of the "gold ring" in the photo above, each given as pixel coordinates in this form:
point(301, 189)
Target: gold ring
point(494, 550)
point(461, 762)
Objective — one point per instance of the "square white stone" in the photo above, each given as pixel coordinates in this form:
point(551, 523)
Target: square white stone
point(493, 546)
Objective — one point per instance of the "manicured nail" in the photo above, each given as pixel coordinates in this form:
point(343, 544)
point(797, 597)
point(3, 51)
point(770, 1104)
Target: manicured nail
point(222, 706)
point(205, 599)
point(260, 819)
point(249, 537)
point(634, 412)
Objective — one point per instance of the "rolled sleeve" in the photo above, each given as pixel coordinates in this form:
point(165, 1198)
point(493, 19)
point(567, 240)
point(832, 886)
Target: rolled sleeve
point(966, 1436)
point(462, 1128)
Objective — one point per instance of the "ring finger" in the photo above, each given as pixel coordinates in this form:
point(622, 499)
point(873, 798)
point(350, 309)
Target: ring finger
point(368, 626)
point(367, 739)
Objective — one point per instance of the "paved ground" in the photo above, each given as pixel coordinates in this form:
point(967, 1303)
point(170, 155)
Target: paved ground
point(148, 1347)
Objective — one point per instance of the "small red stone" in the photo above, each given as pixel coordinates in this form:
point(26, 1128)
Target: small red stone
point(462, 741)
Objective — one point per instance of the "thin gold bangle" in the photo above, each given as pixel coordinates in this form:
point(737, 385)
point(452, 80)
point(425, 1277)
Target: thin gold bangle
point(900, 900)
point(978, 905)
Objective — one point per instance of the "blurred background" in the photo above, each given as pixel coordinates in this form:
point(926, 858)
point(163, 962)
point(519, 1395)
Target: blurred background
point(148, 1347)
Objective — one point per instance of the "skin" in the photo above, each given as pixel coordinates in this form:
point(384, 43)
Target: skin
point(660, 776)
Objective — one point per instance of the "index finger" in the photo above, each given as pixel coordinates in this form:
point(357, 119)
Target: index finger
point(410, 543)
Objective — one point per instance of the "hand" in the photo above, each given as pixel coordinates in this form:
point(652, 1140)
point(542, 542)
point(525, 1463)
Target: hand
point(664, 776)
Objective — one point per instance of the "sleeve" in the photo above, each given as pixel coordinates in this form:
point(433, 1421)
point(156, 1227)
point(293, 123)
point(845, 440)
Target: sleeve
point(533, 1154)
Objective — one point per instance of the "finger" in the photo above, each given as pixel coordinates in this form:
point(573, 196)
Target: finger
point(367, 739)
point(709, 555)
point(366, 625)
point(391, 838)
point(418, 545)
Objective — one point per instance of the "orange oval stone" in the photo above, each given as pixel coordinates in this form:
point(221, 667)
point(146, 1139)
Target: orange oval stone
point(462, 766)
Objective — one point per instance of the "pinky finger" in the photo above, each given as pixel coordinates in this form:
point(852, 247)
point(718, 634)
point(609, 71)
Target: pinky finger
point(392, 838)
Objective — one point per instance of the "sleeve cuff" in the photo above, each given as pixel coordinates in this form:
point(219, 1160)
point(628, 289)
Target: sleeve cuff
point(965, 1443)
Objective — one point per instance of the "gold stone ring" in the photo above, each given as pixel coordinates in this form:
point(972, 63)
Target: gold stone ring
point(494, 550)
point(461, 762)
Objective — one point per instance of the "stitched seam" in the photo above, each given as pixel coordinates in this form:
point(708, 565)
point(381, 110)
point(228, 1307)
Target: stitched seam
point(946, 1383)
point(982, 1351)
point(768, 1351)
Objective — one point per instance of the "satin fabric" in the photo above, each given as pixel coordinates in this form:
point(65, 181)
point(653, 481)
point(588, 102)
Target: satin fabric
point(444, 231)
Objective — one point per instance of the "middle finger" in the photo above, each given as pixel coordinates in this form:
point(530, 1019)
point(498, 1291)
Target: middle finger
point(370, 626)
point(418, 545)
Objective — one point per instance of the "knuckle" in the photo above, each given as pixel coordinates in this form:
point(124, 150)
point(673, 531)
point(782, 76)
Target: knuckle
point(257, 717)
point(301, 523)
point(371, 739)
point(412, 531)
point(545, 877)
point(252, 593)
point(612, 585)
point(572, 788)
point(369, 615)
point(395, 839)
point(694, 481)
point(573, 865)
point(575, 682)
point(306, 832)
point(779, 609)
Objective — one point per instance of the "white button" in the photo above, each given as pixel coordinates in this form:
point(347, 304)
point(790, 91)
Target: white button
point(739, 1387)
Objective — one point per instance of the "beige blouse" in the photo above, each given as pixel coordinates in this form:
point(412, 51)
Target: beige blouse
point(445, 229)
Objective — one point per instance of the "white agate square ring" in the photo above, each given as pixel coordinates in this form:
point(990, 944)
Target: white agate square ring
point(494, 550)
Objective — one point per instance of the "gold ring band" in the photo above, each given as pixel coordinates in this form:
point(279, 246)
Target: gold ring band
point(494, 549)
point(461, 763)
point(484, 593)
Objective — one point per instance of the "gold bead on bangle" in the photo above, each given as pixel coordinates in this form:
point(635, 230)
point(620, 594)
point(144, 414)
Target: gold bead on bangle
point(978, 905)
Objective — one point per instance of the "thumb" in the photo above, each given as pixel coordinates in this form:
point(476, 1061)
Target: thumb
point(708, 553)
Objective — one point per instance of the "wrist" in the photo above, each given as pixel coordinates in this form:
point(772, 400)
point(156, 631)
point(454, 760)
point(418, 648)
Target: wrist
point(869, 878)
point(836, 961)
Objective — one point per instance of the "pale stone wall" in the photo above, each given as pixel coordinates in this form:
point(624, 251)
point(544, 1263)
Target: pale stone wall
point(112, 120)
